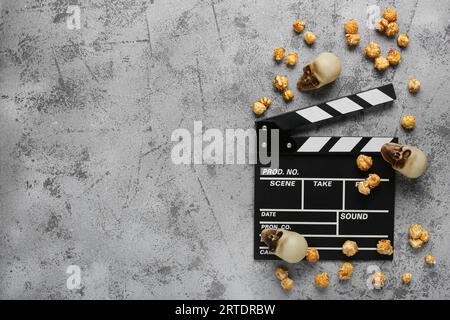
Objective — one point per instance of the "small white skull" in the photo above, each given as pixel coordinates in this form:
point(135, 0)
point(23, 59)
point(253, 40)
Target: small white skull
point(287, 245)
point(322, 70)
point(409, 161)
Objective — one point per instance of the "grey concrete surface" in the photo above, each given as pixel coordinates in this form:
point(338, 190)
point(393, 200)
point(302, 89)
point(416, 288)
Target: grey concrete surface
point(85, 124)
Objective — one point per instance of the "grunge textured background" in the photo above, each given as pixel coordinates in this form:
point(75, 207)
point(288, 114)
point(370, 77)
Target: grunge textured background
point(85, 124)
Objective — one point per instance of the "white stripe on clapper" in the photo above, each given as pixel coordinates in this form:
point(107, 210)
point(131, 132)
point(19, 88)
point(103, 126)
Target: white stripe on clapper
point(313, 144)
point(374, 97)
point(344, 105)
point(314, 114)
point(345, 144)
point(375, 144)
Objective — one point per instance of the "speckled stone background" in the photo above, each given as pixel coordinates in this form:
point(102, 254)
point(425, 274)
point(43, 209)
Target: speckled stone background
point(85, 124)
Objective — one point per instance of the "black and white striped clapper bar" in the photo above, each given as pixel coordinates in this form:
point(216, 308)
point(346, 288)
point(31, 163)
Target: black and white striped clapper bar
point(313, 190)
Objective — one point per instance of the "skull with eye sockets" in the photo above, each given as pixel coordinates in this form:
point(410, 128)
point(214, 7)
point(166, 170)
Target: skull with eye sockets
point(322, 70)
point(409, 161)
point(287, 245)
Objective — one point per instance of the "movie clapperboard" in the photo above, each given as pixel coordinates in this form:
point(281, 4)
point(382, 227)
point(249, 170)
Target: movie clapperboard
point(314, 193)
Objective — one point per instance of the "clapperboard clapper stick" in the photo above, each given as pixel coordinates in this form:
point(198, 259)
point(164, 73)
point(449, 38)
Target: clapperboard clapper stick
point(313, 191)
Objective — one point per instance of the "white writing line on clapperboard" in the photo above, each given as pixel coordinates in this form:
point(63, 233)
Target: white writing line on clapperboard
point(324, 179)
point(345, 236)
point(324, 210)
point(330, 248)
point(337, 213)
point(294, 222)
point(303, 198)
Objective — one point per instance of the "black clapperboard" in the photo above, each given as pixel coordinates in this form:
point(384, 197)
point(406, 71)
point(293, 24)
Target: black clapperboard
point(314, 190)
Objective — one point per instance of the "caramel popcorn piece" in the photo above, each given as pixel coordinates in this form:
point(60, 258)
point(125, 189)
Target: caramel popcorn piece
point(351, 27)
point(322, 280)
point(259, 108)
point(298, 25)
point(406, 277)
point(288, 95)
point(281, 83)
point(413, 85)
point(393, 57)
point(292, 58)
point(309, 37)
point(287, 284)
point(281, 273)
point(388, 23)
point(363, 187)
point(390, 14)
point(378, 280)
point(265, 101)
point(345, 272)
point(403, 40)
point(372, 50)
point(364, 162)
point(349, 248)
point(392, 29)
point(373, 180)
point(312, 255)
point(425, 236)
point(352, 39)
point(415, 231)
point(381, 63)
point(415, 244)
point(430, 260)
point(408, 122)
point(385, 247)
point(418, 236)
point(381, 25)
point(278, 54)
